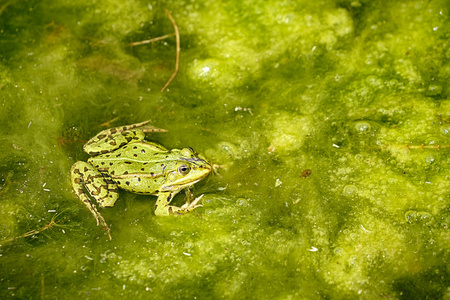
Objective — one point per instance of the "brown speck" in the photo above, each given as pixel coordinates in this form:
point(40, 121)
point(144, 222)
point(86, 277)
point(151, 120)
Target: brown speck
point(306, 173)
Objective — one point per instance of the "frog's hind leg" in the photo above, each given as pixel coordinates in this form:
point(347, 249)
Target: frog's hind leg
point(86, 178)
point(111, 139)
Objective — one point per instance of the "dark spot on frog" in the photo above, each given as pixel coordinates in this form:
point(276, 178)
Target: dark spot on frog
point(128, 162)
point(142, 169)
point(113, 172)
point(135, 147)
point(104, 151)
point(152, 174)
point(77, 180)
point(112, 131)
point(76, 171)
point(110, 163)
point(142, 151)
point(118, 154)
point(125, 173)
point(102, 163)
point(85, 169)
point(113, 143)
point(101, 136)
point(127, 183)
point(135, 155)
point(107, 155)
point(139, 178)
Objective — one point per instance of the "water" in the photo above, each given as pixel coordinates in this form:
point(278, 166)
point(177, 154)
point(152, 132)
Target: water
point(348, 92)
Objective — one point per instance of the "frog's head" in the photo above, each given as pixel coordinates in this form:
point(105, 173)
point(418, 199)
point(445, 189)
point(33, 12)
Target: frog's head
point(188, 170)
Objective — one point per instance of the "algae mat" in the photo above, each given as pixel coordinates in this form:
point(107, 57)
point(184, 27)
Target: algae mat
point(330, 121)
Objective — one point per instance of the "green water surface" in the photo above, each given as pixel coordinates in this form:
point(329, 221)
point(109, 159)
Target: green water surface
point(330, 121)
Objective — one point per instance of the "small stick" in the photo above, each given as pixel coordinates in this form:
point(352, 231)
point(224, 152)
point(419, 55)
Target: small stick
point(152, 40)
point(52, 223)
point(177, 61)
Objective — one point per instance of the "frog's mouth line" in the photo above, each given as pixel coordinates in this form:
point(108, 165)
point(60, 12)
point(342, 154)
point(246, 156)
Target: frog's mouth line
point(179, 186)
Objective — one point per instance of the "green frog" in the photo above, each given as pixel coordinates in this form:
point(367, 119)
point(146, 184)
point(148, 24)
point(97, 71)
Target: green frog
point(121, 158)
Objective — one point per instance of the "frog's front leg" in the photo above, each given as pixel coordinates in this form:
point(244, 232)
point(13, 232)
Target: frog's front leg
point(111, 139)
point(162, 207)
point(101, 188)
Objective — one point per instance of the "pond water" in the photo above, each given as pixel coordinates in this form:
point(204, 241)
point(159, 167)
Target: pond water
point(330, 122)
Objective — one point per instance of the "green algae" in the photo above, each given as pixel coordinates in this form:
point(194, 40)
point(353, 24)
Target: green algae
point(354, 91)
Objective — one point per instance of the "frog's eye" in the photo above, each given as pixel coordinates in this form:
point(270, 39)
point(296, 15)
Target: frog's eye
point(187, 152)
point(184, 169)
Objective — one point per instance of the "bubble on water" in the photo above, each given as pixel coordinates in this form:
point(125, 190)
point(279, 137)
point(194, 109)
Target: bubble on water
point(338, 250)
point(434, 89)
point(432, 140)
point(445, 129)
point(420, 217)
point(374, 80)
point(430, 159)
point(392, 83)
point(242, 202)
point(350, 189)
point(425, 217)
point(411, 216)
point(362, 126)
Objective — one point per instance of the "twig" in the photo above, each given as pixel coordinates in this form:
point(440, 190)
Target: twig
point(52, 223)
point(152, 40)
point(177, 61)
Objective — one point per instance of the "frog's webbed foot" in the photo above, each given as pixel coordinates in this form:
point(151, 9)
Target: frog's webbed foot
point(111, 139)
point(189, 206)
point(162, 209)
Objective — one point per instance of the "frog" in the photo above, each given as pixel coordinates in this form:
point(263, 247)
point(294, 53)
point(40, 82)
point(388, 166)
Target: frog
point(121, 158)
